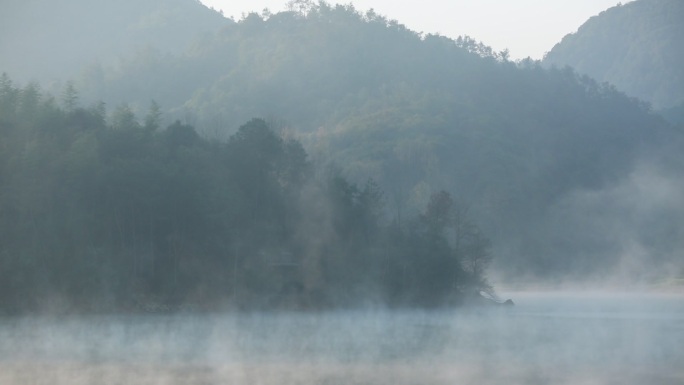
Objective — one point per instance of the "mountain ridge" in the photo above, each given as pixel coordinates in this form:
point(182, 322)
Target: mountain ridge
point(634, 47)
point(49, 41)
point(526, 147)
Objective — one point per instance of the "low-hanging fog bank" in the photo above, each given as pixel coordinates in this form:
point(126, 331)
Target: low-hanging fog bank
point(559, 338)
point(624, 235)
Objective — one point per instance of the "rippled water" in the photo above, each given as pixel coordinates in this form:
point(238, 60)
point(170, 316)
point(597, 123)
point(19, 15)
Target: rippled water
point(546, 338)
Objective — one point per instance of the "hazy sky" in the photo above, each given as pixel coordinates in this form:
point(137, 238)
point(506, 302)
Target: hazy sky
point(525, 27)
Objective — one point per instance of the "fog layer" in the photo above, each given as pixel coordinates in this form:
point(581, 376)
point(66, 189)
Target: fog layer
point(589, 338)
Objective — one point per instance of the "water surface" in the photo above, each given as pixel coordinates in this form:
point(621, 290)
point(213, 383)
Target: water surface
point(559, 338)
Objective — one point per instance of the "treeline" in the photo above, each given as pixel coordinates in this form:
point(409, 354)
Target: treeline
point(518, 141)
point(549, 160)
point(110, 212)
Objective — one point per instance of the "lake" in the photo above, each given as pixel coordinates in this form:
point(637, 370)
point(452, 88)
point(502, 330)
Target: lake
point(547, 338)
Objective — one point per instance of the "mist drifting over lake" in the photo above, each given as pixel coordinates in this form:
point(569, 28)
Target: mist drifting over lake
point(559, 338)
point(325, 196)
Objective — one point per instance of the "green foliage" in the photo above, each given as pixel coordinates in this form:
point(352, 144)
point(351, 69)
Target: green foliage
point(416, 113)
point(119, 216)
point(70, 97)
point(153, 117)
point(635, 46)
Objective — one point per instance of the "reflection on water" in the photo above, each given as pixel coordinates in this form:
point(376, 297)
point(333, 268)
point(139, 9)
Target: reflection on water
point(552, 338)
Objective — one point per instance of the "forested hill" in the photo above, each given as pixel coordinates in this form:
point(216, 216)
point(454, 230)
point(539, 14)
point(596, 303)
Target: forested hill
point(636, 46)
point(547, 161)
point(520, 144)
point(125, 215)
point(47, 41)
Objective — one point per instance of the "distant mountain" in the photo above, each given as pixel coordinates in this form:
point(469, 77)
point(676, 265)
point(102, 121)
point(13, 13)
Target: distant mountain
point(49, 40)
point(636, 46)
point(523, 146)
point(548, 161)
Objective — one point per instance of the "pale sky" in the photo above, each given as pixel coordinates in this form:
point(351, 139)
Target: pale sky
point(525, 27)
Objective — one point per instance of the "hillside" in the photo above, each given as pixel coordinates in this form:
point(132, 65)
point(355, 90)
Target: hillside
point(636, 47)
point(124, 216)
point(566, 175)
point(51, 41)
point(515, 142)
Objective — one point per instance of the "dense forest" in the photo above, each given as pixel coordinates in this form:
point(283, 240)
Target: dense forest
point(570, 178)
point(105, 214)
point(636, 47)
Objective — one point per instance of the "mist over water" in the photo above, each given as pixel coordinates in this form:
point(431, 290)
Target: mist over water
point(546, 338)
point(110, 216)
